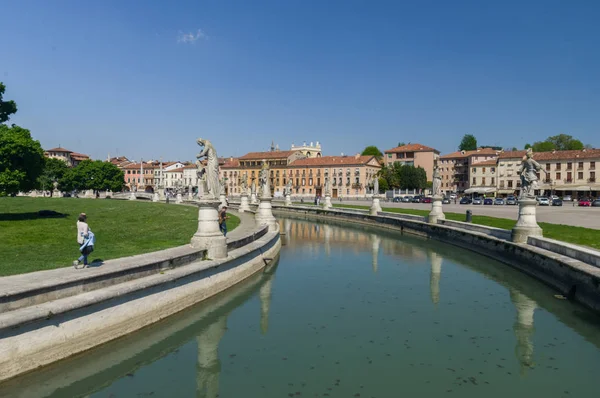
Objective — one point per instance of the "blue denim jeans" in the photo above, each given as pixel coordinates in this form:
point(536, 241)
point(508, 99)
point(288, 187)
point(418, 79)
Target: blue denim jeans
point(84, 256)
point(223, 228)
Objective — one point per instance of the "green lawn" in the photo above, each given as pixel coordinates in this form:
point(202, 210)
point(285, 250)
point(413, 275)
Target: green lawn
point(122, 228)
point(566, 233)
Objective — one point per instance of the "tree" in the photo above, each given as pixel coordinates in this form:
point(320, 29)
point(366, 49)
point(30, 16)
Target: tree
point(21, 160)
point(527, 146)
point(412, 177)
point(372, 150)
point(383, 185)
point(543, 146)
point(391, 175)
point(565, 142)
point(7, 108)
point(54, 170)
point(468, 143)
point(96, 175)
point(401, 143)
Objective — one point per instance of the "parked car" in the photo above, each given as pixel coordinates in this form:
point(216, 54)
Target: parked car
point(543, 201)
point(567, 198)
point(477, 201)
point(426, 200)
point(452, 196)
point(596, 203)
point(397, 199)
point(587, 202)
point(446, 201)
point(557, 202)
point(488, 201)
point(511, 201)
point(499, 201)
point(407, 199)
point(416, 199)
point(465, 201)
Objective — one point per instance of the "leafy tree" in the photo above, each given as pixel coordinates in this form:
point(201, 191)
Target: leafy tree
point(468, 143)
point(96, 175)
point(412, 177)
point(54, 170)
point(7, 108)
point(527, 146)
point(401, 143)
point(372, 150)
point(21, 160)
point(391, 175)
point(543, 146)
point(565, 142)
point(383, 185)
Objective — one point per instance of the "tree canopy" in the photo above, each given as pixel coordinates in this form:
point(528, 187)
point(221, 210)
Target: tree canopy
point(96, 175)
point(54, 170)
point(560, 142)
point(401, 143)
point(468, 143)
point(372, 150)
point(403, 177)
point(7, 108)
point(21, 160)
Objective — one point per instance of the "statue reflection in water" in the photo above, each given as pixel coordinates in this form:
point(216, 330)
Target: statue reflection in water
point(208, 363)
point(523, 328)
point(434, 278)
point(375, 243)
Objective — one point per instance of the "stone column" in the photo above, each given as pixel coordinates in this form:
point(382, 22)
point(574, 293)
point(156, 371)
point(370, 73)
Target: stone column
point(209, 236)
point(375, 207)
point(264, 213)
point(223, 199)
point(208, 364)
point(190, 193)
point(526, 223)
point(155, 197)
point(288, 200)
point(178, 198)
point(161, 193)
point(244, 203)
point(253, 199)
point(434, 278)
point(327, 204)
point(436, 210)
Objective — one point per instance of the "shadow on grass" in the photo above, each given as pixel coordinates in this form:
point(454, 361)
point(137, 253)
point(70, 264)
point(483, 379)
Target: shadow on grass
point(97, 262)
point(32, 215)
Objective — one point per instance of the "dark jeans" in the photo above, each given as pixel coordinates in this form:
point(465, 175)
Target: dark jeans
point(84, 254)
point(223, 228)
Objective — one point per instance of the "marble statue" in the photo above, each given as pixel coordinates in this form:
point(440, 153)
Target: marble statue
point(376, 186)
point(263, 178)
point(528, 171)
point(211, 169)
point(253, 187)
point(288, 188)
point(243, 183)
point(437, 182)
point(222, 186)
point(202, 184)
point(327, 187)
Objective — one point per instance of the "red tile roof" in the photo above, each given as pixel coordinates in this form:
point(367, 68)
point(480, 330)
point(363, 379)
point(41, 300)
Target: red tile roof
point(179, 170)
point(412, 148)
point(58, 149)
point(267, 155)
point(79, 156)
point(332, 161)
point(230, 163)
point(555, 155)
point(466, 154)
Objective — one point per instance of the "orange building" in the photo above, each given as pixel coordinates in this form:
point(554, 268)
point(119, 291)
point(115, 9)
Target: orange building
point(416, 155)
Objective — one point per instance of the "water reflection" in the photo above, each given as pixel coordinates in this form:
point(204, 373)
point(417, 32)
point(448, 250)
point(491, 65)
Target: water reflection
point(523, 328)
point(209, 366)
point(376, 242)
point(436, 274)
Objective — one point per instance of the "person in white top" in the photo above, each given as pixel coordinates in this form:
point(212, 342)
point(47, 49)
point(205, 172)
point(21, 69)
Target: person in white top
point(82, 233)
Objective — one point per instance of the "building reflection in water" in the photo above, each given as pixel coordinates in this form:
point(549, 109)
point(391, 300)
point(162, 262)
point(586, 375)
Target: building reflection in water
point(434, 278)
point(523, 328)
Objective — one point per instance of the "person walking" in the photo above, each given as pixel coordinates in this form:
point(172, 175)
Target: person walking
point(223, 217)
point(85, 241)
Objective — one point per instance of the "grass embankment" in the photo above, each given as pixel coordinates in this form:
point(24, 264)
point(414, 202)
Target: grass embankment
point(566, 233)
point(29, 242)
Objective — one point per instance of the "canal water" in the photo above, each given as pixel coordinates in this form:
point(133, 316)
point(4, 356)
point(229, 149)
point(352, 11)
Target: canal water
point(351, 312)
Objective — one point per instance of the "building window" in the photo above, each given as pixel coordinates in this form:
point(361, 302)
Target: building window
point(493, 169)
point(482, 180)
point(569, 165)
point(580, 166)
point(580, 175)
point(510, 183)
point(592, 176)
point(558, 176)
point(474, 170)
point(547, 166)
point(558, 166)
point(592, 165)
point(493, 181)
point(484, 170)
point(474, 180)
point(310, 181)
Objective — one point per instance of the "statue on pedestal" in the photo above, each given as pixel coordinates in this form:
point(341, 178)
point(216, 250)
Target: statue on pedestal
point(211, 171)
point(327, 187)
point(288, 188)
point(376, 186)
point(243, 183)
point(437, 182)
point(528, 172)
point(263, 179)
point(253, 187)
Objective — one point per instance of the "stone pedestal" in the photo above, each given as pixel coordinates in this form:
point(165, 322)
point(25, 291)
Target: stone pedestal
point(375, 207)
point(132, 196)
point(155, 197)
point(209, 235)
point(223, 199)
point(178, 198)
point(526, 223)
point(288, 200)
point(244, 205)
point(253, 199)
point(57, 194)
point(161, 194)
point(327, 204)
point(436, 210)
point(89, 194)
point(264, 214)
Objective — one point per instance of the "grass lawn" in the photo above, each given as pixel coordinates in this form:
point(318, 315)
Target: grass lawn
point(29, 242)
point(566, 233)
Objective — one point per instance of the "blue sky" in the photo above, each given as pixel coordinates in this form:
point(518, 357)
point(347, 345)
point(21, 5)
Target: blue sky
point(145, 78)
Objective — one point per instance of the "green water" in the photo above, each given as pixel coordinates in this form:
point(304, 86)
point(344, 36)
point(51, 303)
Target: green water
point(351, 312)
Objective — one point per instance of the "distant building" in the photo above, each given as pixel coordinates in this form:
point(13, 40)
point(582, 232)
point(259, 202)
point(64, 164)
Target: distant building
point(416, 155)
point(71, 158)
point(455, 168)
point(310, 151)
